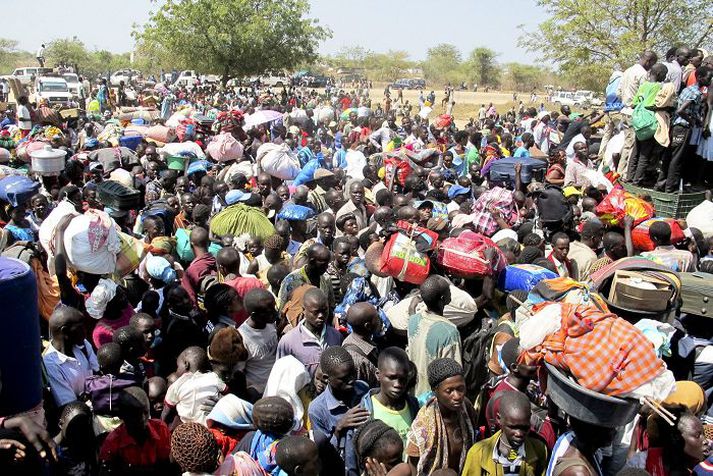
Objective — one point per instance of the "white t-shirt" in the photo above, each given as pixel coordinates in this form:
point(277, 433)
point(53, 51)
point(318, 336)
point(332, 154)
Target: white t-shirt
point(23, 118)
point(190, 391)
point(261, 345)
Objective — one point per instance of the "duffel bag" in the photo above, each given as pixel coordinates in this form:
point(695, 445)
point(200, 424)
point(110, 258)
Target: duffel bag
point(401, 260)
point(464, 255)
point(225, 147)
point(696, 294)
point(642, 241)
point(130, 255)
point(118, 196)
point(523, 277)
point(619, 203)
point(292, 212)
point(396, 169)
point(17, 189)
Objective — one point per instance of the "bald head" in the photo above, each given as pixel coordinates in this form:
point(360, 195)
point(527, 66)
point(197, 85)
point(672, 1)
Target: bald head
point(314, 297)
point(325, 219)
point(300, 195)
point(64, 318)
point(228, 259)
point(362, 315)
point(408, 213)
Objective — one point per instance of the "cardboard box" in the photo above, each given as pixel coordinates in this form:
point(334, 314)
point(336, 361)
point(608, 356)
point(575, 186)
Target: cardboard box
point(628, 292)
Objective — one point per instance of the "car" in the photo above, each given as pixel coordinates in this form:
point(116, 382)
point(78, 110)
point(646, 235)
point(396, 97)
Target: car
point(54, 90)
point(314, 81)
point(186, 78)
point(27, 74)
point(417, 83)
point(276, 80)
point(125, 75)
point(401, 84)
point(73, 83)
point(588, 98)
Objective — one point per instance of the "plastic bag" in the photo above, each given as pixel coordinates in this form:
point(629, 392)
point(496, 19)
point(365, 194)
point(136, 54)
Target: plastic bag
point(292, 212)
point(523, 277)
point(619, 203)
point(642, 241)
point(701, 217)
point(92, 242)
point(464, 255)
point(278, 161)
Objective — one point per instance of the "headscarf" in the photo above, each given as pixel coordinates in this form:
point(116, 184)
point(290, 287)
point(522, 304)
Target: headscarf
point(689, 394)
point(287, 378)
point(158, 267)
point(232, 412)
point(100, 297)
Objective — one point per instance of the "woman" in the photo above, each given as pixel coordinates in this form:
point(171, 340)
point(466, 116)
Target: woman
point(289, 380)
point(19, 228)
point(555, 172)
point(379, 449)
point(347, 224)
point(222, 305)
point(444, 429)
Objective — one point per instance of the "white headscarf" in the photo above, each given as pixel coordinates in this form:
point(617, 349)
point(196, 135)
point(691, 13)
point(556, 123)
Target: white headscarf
point(100, 297)
point(287, 378)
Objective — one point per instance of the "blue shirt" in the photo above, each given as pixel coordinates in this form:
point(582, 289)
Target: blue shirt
point(325, 411)
point(522, 152)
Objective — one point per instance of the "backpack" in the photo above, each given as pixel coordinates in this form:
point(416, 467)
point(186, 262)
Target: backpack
point(553, 207)
point(613, 102)
point(643, 120)
point(475, 350)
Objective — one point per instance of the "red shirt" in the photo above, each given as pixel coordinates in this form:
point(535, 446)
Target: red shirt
point(120, 448)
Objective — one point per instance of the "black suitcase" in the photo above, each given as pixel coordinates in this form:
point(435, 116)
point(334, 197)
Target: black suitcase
point(503, 170)
point(118, 196)
point(697, 294)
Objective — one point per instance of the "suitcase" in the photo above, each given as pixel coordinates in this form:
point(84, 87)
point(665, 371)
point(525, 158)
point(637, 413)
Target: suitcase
point(503, 170)
point(697, 294)
point(17, 189)
point(117, 196)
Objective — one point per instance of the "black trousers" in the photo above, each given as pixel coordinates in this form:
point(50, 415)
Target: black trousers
point(642, 165)
point(673, 160)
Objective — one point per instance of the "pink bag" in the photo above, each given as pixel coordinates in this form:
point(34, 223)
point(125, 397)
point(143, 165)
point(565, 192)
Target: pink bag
point(186, 129)
point(161, 133)
point(225, 147)
point(464, 256)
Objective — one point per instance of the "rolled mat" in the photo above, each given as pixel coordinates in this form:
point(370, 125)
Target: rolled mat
point(238, 219)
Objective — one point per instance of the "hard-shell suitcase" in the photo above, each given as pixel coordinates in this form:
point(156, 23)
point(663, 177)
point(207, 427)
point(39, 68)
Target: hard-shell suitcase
point(697, 294)
point(118, 196)
point(503, 170)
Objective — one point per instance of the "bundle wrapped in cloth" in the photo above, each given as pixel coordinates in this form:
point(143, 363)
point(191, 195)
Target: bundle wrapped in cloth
point(604, 353)
point(92, 242)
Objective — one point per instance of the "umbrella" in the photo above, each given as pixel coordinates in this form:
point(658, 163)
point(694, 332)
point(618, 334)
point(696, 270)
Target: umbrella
point(346, 112)
point(261, 117)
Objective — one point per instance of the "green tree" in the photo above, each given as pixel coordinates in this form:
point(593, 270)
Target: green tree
point(235, 38)
point(7, 53)
point(443, 64)
point(387, 66)
point(68, 52)
point(525, 77)
point(615, 32)
point(482, 67)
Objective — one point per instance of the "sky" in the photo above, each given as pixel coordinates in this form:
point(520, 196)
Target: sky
point(377, 25)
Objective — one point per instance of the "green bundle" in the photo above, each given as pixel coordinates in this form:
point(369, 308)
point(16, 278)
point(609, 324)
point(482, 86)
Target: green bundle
point(238, 219)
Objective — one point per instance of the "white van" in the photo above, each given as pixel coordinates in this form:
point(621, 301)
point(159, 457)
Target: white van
point(28, 74)
point(54, 89)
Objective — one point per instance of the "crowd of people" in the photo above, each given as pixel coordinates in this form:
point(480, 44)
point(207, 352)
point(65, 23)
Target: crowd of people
point(285, 293)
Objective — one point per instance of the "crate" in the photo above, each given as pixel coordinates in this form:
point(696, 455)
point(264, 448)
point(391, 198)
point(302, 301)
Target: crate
point(671, 205)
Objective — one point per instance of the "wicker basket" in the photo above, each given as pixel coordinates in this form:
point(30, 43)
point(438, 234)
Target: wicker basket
point(672, 205)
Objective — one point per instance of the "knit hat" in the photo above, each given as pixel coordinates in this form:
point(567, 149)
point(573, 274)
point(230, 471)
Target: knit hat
point(441, 369)
point(194, 448)
point(100, 297)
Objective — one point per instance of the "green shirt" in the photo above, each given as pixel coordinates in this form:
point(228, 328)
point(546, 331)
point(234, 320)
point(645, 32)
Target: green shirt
point(398, 420)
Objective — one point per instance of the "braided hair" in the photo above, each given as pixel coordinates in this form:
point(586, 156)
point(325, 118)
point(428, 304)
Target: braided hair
point(194, 448)
point(334, 357)
point(372, 436)
point(273, 415)
point(442, 369)
point(275, 242)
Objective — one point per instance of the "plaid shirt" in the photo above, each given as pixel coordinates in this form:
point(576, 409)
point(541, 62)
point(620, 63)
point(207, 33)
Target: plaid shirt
point(695, 110)
point(603, 352)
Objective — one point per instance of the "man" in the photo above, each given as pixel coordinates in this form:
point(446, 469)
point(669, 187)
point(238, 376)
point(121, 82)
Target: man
point(510, 451)
point(678, 260)
point(616, 246)
point(430, 335)
point(24, 119)
point(69, 359)
point(202, 265)
point(578, 449)
point(689, 114)
point(674, 64)
point(41, 55)
point(390, 401)
point(260, 340)
point(337, 269)
point(355, 206)
point(326, 229)
point(313, 335)
point(584, 252)
point(183, 219)
point(560, 249)
point(336, 413)
point(312, 273)
point(264, 185)
point(365, 323)
point(628, 86)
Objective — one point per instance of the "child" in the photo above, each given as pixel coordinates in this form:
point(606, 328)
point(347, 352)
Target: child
point(229, 421)
point(131, 343)
point(157, 394)
point(298, 456)
point(391, 402)
point(76, 443)
point(103, 390)
point(195, 385)
point(260, 339)
point(335, 414)
point(365, 323)
point(140, 443)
